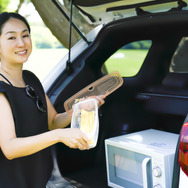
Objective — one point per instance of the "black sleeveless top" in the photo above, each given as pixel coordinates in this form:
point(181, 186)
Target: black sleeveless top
point(31, 171)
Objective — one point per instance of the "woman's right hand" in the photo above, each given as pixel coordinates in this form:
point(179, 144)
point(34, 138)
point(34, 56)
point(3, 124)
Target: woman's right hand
point(73, 138)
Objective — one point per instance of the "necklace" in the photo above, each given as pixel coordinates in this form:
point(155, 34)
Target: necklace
point(17, 82)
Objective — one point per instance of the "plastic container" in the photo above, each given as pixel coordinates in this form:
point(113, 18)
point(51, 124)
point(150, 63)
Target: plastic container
point(85, 117)
point(103, 86)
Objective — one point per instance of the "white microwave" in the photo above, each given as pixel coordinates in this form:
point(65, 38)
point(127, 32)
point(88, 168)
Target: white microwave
point(143, 159)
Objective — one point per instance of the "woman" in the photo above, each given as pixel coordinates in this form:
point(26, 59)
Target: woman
point(26, 113)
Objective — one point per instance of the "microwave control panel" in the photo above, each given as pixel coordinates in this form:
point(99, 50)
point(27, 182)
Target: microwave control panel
point(157, 171)
point(160, 172)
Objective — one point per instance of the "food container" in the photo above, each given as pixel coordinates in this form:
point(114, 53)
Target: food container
point(85, 117)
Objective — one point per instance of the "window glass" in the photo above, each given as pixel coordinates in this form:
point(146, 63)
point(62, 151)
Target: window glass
point(179, 63)
point(127, 60)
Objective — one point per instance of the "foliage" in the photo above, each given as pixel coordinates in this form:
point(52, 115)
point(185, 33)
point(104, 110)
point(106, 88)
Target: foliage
point(145, 44)
point(179, 60)
point(43, 39)
point(3, 5)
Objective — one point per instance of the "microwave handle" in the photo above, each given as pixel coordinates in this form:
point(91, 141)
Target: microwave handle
point(144, 172)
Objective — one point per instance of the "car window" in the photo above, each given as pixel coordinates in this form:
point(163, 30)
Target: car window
point(179, 63)
point(128, 59)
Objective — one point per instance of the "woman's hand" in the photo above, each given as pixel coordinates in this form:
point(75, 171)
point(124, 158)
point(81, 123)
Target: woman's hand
point(99, 98)
point(73, 138)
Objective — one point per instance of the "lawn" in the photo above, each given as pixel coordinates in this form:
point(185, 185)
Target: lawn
point(127, 62)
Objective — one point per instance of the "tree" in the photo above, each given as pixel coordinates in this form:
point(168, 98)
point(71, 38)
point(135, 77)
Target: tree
point(57, 23)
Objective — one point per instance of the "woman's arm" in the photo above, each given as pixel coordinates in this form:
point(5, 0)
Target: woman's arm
point(14, 147)
point(56, 120)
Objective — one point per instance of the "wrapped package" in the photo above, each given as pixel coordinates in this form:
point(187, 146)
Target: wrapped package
point(85, 117)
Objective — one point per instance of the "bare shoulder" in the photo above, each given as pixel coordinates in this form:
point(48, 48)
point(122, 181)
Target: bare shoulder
point(2, 96)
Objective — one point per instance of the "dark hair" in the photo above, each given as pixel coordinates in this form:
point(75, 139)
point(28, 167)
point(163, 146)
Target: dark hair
point(5, 16)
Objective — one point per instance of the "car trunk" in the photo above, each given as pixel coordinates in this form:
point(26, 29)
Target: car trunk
point(154, 98)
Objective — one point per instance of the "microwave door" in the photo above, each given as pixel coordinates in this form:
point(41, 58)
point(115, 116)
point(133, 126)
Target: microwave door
point(128, 169)
point(146, 171)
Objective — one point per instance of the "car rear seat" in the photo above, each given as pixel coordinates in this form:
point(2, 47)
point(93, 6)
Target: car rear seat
point(171, 97)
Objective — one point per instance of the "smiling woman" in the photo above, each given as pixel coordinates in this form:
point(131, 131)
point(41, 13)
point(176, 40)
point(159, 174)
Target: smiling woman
point(29, 124)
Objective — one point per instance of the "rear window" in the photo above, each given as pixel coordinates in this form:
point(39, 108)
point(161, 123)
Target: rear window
point(179, 63)
point(128, 60)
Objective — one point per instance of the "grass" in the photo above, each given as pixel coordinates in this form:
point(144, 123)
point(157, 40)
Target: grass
point(127, 62)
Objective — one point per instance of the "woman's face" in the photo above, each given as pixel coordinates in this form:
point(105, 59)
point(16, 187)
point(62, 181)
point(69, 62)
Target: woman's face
point(15, 42)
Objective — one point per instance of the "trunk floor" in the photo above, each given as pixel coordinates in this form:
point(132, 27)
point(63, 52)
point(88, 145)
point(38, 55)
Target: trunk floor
point(95, 177)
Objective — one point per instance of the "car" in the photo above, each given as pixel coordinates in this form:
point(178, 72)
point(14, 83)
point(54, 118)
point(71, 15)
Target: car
point(146, 42)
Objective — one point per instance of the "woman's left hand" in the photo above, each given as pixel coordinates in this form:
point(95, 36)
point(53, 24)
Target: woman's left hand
point(99, 98)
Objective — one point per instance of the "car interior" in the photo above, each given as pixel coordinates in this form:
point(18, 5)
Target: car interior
point(156, 97)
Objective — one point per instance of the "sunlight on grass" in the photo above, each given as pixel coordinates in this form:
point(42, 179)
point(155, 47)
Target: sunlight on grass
point(42, 61)
point(126, 62)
